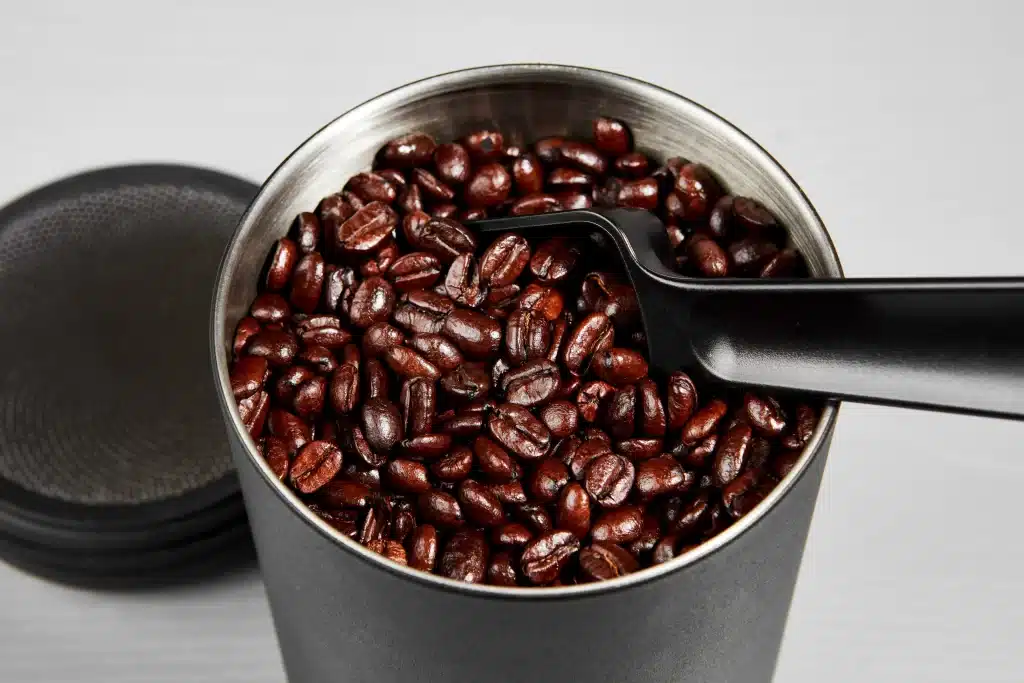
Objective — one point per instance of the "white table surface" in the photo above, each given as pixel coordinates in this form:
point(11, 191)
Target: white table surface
point(902, 120)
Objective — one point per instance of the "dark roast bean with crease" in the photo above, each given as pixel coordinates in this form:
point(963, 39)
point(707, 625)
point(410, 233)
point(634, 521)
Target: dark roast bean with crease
point(275, 452)
point(462, 283)
point(289, 381)
point(593, 334)
point(248, 375)
point(527, 336)
point(753, 214)
point(699, 189)
point(602, 561)
point(619, 525)
point(665, 549)
point(434, 189)
point(693, 515)
point(582, 156)
point(534, 383)
point(501, 300)
point(591, 399)
point(563, 179)
point(465, 556)
point(649, 536)
point(620, 413)
point(426, 446)
point(549, 150)
point(395, 177)
point(455, 466)
point(463, 424)
point(534, 516)
point(485, 145)
point(609, 479)
point(423, 312)
point(765, 414)
point(545, 300)
point(704, 421)
point(418, 401)
point(803, 428)
point(442, 211)
point(709, 258)
point(310, 398)
point(554, 259)
point(634, 165)
point(376, 525)
point(652, 412)
point(479, 505)
point(489, 186)
point(315, 464)
point(560, 417)
point(373, 302)
point(573, 510)
point(619, 366)
point(559, 332)
point(345, 521)
point(722, 219)
point(281, 263)
point(518, 430)
point(612, 136)
point(438, 350)
point(277, 347)
point(382, 424)
point(270, 308)
point(467, 382)
point(354, 441)
point(700, 455)
point(547, 480)
point(371, 187)
point(476, 334)
point(731, 454)
point(719, 519)
point(607, 194)
point(443, 237)
point(323, 330)
point(739, 487)
point(545, 557)
point(306, 232)
point(639, 448)
point(512, 534)
point(408, 151)
point(344, 494)
point(423, 548)
point(375, 379)
point(680, 400)
point(407, 476)
point(528, 175)
point(509, 492)
point(319, 358)
point(379, 337)
point(247, 328)
point(759, 452)
point(332, 209)
point(379, 262)
point(502, 570)
point(452, 163)
point(411, 199)
point(572, 201)
point(504, 260)
point(406, 363)
point(494, 461)
point(440, 509)
point(661, 476)
point(639, 194)
point(360, 473)
point(339, 288)
point(367, 229)
point(403, 523)
point(578, 458)
point(748, 256)
point(787, 263)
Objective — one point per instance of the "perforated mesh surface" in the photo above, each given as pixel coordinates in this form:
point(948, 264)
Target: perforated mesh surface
point(106, 392)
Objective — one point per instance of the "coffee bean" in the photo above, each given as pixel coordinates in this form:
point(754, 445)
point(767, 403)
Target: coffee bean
point(275, 452)
point(661, 476)
point(517, 429)
point(281, 263)
point(731, 454)
point(249, 375)
point(494, 461)
point(411, 199)
point(545, 557)
point(699, 189)
point(587, 450)
point(455, 466)
point(315, 464)
point(371, 187)
point(534, 383)
point(433, 189)
point(560, 417)
point(407, 476)
point(247, 328)
point(554, 259)
point(423, 547)
point(710, 259)
point(270, 308)
point(440, 509)
point(467, 382)
point(382, 424)
point(619, 525)
point(535, 517)
point(509, 492)
point(748, 256)
point(680, 401)
point(568, 179)
point(489, 186)
point(319, 358)
point(295, 432)
point(438, 350)
point(418, 270)
point(444, 211)
point(609, 479)
point(700, 455)
point(462, 282)
point(572, 201)
point(582, 156)
point(591, 397)
point(704, 421)
point(573, 514)
point(477, 335)
point(619, 410)
point(354, 441)
point(549, 477)
point(650, 534)
point(602, 561)
point(375, 379)
point(440, 236)
point(418, 401)
point(426, 446)
point(652, 412)
point(408, 151)
point(310, 397)
point(379, 337)
point(765, 414)
point(479, 505)
point(465, 556)
point(639, 448)
point(485, 145)
point(504, 260)
point(423, 312)
point(619, 366)
point(593, 334)
point(528, 175)
point(452, 163)
point(803, 428)
point(373, 302)
point(784, 462)
point(527, 336)
point(665, 549)
point(633, 165)
point(406, 363)
point(612, 136)
point(639, 194)
point(502, 570)
point(753, 214)
point(307, 282)
point(323, 330)
point(513, 535)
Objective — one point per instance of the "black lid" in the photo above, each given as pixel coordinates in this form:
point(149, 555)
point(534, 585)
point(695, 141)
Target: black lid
point(114, 460)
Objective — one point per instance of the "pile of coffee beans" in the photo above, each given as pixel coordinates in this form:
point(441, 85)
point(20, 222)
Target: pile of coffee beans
point(485, 411)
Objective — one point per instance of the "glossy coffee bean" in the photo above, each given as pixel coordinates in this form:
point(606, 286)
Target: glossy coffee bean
point(553, 260)
point(295, 432)
point(344, 494)
point(574, 200)
point(588, 450)
point(323, 330)
point(353, 440)
point(440, 509)
point(547, 480)
point(434, 190)
point(455, 466)
point(546, 556)
point(609, 479)
point(704, 421)
point(407, 476)
point(463, 283)
point(504, 260)
point(651, 418)
point(502, 570)
point(426, 446)
point(485, 145)
point(765, 414)
point(452, 163)
point(406, 363)
point(528, 175)
point(475, 334)
point(527, 336)
point(310, 398)
point(619, 525)
point(680, 400)
point(509, 492)
point(489, 186)
point(270, 308)
point(379, 337)
point(371, 187)
point(247, 328)
point(253, 412)
point(423, 312)
point(583, 156)
point(699, 189)
point(465, 556)
point(591, 398)
point(306, 231)
point(543, 299)
point(532, 384)
point(373, 302)
point(749, 255)
point(467, 382)
point(593, 334)
point(700, 456)
point(307, 282)
point(574, 510)
point(560, 417)
point(639, 194)
point(803, 428)
point(661, 476)
point(375, 379)
point(280, 265)
point(319, 358)
point(603, 561)
point(633, 165)
point(731, 455)
point(568, 179)
point(277, 347)
point(443, 237)
point(619, 413)
point(275, 452)
point(248, 375)
point(639, 448)
point(518, 430)
point(612, 136)
point(408, 151)
point(418, 401)
point(437, 349)
point(709, 258)
point(315, 464)
point(422, 548)
point(619, 366)
point(418, 270)
point(448, 210)
point(494, 461)
point(382, 424)
point(479, 504)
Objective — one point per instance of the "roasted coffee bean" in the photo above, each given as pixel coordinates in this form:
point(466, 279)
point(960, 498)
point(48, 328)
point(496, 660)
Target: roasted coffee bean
point(438, 350)
point(593, 334)
point(465, 556)
point(553, 260)
point(609, 294)
point(665, 549)
point(455, 466)
point(661, 476)
point(803, 428)
point(452, 163)
point(560, 417)
point(582, 156)
point(589, 449)
point(547, 480)
point(426, 446)
point(249, 375)
point(423, 312)
point(534, 383)
point(344, 494)
point(477, 335)
point(270, 308)
point(310, 397)
point(373, 302)
point(344, 521)
point(753, 214)
point(602, 561)
point(292, 429)
point(408, 151)
point(464, 424)
point(549, 150)
point(489, 186)
point(591, 397)
point(545, 300)
point(395, 177)
point(509, 492)
point(649, 536)
point(479, 505)
point(467, 382)
point(784, 463)
point(634, 165)
point(379, 337)
point(619, 416)
point(704, 421)
point(333, 209)
point(512, 534)
point(323, 330)
point(609, 479)
point(433, 189)
point(440, 509)
point(619, 366)
point(407, 476)
point(527, 336)
point(339, 288)
point(315, 464)
point(700, 455)
point(406, 363)
point(360, 473)
point(411, 199)
point(573, 514)
point(247, 329)
point(504, 260)
point(418, 401)
point(307, 282)
point(572, 201)
point(443, 237)
point(709, 257)
point(680, 401)
point(700, 190)
point(567, 179)
point(731, 454)
point(418, 270)
point(375, 379)
point(765, 414)
point(371, 187)
point(786, 263)
point(319, 358)
point(423, 548)
point(517, 429)
point(502, 570)
point(652, 412)
point(485, 145)
point(534, 516)
point(639, 448)
point(354, 441)
point(462, 283)
point(528, 175)
point(619, 525)
point(545, 557)
point(494, 461)
point(611, 136)
point(382, 424)
point(281, 263)
point(639, 194)
point(750, 255)
point(444, 211)
point(275, 452)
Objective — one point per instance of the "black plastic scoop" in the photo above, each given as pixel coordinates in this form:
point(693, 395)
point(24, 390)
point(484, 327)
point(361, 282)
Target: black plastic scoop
point(953, 344)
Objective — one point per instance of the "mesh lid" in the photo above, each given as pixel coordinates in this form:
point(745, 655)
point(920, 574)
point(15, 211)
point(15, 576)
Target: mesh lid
point(113, 453)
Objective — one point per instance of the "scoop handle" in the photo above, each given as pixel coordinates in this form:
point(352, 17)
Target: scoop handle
point(952, 345)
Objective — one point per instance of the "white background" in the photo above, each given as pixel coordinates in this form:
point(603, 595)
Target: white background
point(902, 121)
